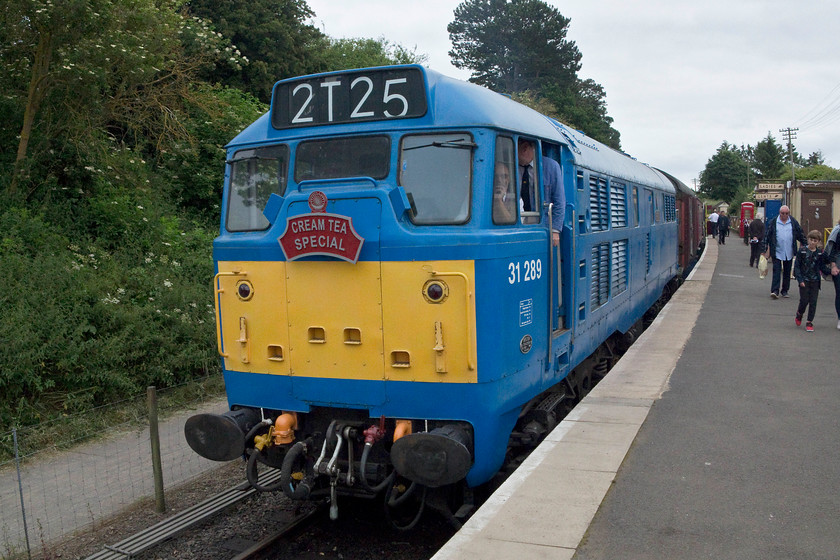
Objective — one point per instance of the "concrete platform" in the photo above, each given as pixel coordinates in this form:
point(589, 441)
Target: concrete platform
point(740, 461)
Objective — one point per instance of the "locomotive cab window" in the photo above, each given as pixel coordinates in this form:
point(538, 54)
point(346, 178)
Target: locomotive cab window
point(436, 172)
point(527, 176)
point(255, 175)
point(364, 156)
point(504, 189)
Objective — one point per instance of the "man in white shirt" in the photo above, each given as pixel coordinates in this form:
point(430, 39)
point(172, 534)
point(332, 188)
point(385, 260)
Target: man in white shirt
point(713, 218)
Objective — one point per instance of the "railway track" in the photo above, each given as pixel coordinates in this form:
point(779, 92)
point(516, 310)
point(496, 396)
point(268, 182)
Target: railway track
point(177, 524)
point(297, 524)
point(171, 528)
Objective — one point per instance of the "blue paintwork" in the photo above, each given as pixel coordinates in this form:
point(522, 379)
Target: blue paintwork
point(507, 378)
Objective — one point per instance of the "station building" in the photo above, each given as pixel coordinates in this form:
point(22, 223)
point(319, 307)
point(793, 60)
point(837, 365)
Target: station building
point(815, 204)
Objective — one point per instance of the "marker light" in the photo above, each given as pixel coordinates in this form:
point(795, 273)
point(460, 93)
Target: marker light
point(435, 291)
point(244, 290)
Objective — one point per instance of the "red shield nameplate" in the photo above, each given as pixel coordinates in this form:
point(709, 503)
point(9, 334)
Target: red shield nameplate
point(328, 235)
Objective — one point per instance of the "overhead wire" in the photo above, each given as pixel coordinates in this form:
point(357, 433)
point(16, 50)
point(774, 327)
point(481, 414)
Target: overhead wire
point(826, 112)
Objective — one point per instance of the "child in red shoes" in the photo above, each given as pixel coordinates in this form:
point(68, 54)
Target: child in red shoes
point(807, 272)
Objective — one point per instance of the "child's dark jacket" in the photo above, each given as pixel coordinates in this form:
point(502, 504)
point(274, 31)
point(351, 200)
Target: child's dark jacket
point(809, 264)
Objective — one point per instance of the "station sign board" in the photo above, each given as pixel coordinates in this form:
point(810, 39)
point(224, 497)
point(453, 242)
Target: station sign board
point(769, 196)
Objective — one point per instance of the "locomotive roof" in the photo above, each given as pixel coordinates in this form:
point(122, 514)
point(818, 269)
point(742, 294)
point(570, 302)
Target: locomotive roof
point(456, 103)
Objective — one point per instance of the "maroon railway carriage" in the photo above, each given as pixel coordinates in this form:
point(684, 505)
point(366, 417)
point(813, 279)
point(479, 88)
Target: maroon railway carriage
point(691, 219)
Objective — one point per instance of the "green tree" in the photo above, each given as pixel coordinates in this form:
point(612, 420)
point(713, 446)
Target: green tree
point(123, 84)
point(816, 158)
point(748, 155)
point(32, 34)
point(768, 158)
point(813, 173)
point(195, 165)
point(105, 234)
point(514, 46)
point(584, 107)
point(743, 194)
point(724, 174)
point(271, 34)
point(345, 54)
point(790, 154)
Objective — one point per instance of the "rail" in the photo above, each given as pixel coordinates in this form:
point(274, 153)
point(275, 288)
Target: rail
point(168, 528)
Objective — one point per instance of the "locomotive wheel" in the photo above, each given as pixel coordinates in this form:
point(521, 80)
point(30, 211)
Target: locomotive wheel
point(455, 503)
point(585, 384)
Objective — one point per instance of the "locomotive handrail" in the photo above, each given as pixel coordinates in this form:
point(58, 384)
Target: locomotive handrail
point(471, 359)
point(218, 291)
point(550, 282)
point(308, 183)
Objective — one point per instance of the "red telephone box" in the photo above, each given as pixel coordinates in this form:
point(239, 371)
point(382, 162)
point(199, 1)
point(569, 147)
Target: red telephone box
point(747, 214)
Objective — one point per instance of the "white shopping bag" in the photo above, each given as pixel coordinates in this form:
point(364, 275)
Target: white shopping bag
point(762, 266)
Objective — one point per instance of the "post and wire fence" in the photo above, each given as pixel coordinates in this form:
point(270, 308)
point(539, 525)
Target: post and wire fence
point(54, 485)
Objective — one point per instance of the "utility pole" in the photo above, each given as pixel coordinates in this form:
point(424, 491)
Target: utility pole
point(749, 164)
point(790, 136)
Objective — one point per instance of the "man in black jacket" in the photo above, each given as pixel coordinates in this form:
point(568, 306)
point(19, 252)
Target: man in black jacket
point(780, 240)
point(723, 227)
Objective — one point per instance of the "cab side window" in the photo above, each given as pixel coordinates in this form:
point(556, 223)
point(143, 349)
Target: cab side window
point(527, 176)
point(504, 188)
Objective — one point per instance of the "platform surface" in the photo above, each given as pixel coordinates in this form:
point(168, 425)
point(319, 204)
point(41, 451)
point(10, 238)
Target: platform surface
point(715, 436)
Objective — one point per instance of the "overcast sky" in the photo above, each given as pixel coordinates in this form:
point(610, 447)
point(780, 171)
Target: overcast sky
point(680, 76)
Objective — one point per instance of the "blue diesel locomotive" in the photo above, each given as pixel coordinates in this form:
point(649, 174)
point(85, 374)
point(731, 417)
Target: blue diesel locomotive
point(384, 323)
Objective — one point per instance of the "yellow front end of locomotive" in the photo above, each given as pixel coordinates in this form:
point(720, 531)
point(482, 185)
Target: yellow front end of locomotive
point(407, 321)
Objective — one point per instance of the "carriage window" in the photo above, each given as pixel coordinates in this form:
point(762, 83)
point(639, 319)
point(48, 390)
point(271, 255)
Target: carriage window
point(255, 175)
point(636, 206)
point(363, 156)
point(658, 212)
point(650, 206)
point(504, 191)
point(435, 171)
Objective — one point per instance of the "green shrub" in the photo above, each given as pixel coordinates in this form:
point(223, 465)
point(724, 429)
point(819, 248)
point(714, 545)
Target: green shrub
point(92, 318)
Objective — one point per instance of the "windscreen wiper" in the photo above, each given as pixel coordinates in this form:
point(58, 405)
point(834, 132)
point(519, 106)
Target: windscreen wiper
point(459, 143)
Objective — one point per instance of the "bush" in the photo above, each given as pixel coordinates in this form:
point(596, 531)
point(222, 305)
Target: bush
point(96, 317)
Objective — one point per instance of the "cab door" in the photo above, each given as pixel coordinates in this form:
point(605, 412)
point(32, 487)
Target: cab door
point(555, 253)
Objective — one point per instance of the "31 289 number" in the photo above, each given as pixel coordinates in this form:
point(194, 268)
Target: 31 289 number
point(526, 271)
